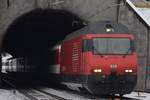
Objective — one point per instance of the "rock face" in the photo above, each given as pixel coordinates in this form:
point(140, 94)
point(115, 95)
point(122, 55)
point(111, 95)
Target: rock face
point(141, 3)
point(136, 1)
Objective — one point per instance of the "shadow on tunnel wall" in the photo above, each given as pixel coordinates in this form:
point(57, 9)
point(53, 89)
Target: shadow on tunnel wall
point(34, 33)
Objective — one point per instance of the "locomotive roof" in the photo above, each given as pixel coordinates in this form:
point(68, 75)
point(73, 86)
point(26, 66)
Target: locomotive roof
point(98, 28)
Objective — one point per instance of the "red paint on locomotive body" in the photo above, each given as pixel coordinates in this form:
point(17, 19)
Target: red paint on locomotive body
point(75, 61)
point(71, 55)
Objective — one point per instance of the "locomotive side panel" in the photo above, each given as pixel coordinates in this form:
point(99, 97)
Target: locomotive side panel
point(71, 57)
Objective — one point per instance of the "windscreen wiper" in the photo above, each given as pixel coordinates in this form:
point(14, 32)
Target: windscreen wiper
point(129, 49)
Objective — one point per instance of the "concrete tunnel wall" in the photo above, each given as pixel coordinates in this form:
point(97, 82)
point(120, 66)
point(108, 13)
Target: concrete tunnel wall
point(90, 10)
point(141, 31)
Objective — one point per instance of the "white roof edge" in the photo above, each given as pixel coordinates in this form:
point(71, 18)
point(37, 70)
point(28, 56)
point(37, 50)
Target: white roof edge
point(138, 12)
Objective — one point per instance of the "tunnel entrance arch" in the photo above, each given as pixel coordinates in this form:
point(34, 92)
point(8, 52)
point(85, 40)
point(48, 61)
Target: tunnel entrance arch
point(34, 33)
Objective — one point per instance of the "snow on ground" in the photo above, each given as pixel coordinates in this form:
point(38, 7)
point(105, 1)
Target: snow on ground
point(65, 94)
point(11, 95)
point(139, 95)
point(15, 95)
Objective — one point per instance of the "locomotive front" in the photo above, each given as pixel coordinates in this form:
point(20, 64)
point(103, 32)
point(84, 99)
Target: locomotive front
point(100, 58)
point(110, 63)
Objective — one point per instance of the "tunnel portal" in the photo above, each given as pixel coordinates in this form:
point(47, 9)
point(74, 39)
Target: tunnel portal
point(34, 33)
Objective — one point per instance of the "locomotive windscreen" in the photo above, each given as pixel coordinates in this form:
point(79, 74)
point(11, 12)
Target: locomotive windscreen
point(111, 46)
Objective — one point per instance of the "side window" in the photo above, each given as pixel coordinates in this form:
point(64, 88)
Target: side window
point(87, 45)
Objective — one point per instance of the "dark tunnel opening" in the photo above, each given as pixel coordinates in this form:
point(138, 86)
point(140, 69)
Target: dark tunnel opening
point(39, 28)
point(34, 33)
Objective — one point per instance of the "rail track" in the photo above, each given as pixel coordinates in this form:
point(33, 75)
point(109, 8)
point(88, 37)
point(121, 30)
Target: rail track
point(85, 96)
point(50, 94)
point(34, 94)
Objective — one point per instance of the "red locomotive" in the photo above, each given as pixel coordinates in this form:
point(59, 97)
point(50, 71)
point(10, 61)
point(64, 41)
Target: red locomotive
point(100, 58)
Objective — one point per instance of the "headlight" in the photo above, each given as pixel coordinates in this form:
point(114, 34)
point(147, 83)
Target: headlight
point(126, 71)
point(129, 71)
point(97, 70)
